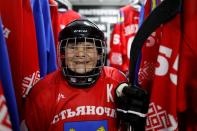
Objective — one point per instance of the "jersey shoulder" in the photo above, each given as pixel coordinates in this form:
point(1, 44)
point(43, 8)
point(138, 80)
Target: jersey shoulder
point(47, 85)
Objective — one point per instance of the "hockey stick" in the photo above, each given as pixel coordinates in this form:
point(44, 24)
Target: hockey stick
point(161, 14)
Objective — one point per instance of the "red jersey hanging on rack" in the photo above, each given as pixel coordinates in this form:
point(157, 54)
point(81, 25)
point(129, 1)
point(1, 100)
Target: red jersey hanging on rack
point(187, 83)
point(122, 37)
point(162, 114)
point(65, 17)
point(22, 45)
point(54, 20)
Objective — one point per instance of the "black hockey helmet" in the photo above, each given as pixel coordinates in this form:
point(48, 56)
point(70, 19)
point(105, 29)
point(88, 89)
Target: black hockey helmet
point(78, 31)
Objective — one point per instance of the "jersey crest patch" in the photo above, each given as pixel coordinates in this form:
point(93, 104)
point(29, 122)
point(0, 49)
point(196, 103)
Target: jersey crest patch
point(86, 126)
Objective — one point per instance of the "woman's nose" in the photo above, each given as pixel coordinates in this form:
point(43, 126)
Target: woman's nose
point(80, 51)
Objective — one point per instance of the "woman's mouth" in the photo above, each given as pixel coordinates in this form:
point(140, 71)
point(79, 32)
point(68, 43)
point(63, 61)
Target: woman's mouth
point(81, 62)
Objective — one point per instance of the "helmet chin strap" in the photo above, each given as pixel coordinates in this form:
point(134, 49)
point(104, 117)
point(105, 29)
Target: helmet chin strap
point(79, 80)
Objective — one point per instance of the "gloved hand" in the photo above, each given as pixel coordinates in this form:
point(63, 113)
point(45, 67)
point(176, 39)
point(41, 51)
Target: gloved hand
point(132, 106)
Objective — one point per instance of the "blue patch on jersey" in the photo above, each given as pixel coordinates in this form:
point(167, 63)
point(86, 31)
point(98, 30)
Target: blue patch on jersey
point(86, 126)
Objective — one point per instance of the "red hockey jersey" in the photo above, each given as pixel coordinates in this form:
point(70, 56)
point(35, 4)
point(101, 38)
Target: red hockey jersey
point(121, 40)
point(122, 37)
point(162, 114)
point(58, 106)
point(187, 83)
point(54, 20)
point(22, 45)
point(148, 59)
point(67, 17)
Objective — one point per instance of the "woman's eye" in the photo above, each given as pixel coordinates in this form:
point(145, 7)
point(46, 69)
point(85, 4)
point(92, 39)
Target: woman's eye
point(89, 47)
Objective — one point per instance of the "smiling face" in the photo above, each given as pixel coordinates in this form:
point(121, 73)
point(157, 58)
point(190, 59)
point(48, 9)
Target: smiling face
point(81, 57)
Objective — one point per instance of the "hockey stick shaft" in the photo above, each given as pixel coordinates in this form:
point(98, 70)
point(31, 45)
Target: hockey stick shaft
point(162, 14)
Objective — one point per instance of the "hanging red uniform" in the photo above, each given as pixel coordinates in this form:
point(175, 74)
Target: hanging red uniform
point(22, 46)
point(187, 83)
point(67, 16)
point(122, 37)
point(147, 8)
point(162, 114)
point(148, 59)
point(54, 20)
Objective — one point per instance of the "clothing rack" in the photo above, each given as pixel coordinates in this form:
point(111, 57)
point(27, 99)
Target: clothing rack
point(137, 4)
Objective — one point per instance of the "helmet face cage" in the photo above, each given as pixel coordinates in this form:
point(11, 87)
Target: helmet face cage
point(82, 59)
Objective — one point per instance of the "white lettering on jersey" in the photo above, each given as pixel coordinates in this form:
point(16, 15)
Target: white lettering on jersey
point(164, 68)
point(60, 96)
point(29, 82)
point(100, 110)
point(151, 40)
point(80, 110)
point(84, 110)
point(116, 39)
point(131, 29)
point(90, 110)
point(5, 124)
point(116, 58)
point(6, 31)
point(109, 95)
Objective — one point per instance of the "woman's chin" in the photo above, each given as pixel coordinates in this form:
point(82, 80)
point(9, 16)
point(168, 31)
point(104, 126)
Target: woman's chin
point(82, 71)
